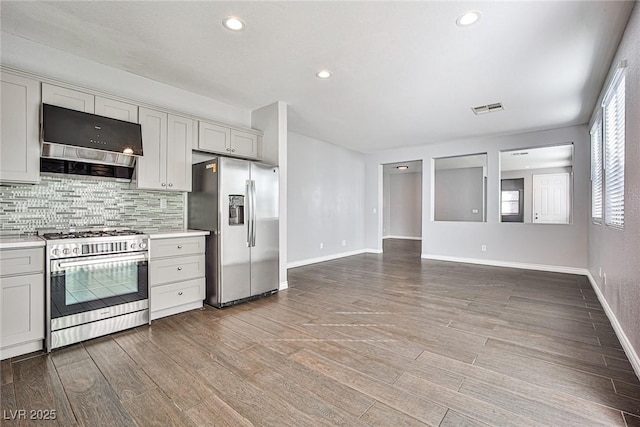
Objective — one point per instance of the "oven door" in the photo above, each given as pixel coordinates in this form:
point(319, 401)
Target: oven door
point(86, 284)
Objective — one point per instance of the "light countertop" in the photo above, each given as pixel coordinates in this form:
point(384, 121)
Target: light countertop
point(167, 234)
point(20, 242)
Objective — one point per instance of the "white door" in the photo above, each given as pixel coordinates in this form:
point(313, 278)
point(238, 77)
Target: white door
point(551, 198)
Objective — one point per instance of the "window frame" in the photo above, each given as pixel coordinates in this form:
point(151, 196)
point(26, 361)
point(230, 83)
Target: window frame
point(597, 170)
point(614, 144)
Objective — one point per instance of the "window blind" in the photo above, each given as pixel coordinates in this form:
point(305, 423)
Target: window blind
point(596, 170)
point(614, 145)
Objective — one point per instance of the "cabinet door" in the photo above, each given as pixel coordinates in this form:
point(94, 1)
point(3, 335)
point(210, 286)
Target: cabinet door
point(244, 144)
point(22, 303)
point(214, 138)
point(68, 98)
point(116, 109)
point(179, 146)
point(151, 168)
point(19, 123)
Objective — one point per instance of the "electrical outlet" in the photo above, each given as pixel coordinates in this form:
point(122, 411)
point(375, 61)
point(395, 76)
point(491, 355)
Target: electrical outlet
point(163, 203)
point(321, 245)
point(344, 243)
point(483, 248)
point(375, 210)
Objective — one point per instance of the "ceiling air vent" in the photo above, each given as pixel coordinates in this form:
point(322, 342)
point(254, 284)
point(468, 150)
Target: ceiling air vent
point(489, 108)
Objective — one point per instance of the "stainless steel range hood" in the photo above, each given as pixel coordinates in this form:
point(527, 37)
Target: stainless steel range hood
point(82, 137)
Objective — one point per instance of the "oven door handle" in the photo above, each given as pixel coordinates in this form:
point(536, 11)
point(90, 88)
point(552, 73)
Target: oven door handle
point(63, 265)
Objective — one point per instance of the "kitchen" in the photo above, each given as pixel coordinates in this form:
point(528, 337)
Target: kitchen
point(144, 204)
point(98, 279)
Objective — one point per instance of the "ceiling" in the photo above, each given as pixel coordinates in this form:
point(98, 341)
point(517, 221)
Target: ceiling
point(461, 162)
point(413, 166)
point(404, 73)
point(537, 158)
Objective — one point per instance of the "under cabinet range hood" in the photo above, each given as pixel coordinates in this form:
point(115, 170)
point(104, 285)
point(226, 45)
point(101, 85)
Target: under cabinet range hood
point(82, 137)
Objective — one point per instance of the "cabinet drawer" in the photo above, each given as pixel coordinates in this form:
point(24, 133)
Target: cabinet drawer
point(176, 269)
point(176, 247)
point(21, 261)
point(175, 294)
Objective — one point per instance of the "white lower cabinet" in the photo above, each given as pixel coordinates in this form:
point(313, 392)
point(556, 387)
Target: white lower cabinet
point(21, 301)
point(176, 275)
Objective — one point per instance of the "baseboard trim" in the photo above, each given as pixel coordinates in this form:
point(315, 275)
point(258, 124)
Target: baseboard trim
point(331, 257)
point(403, 237)
point(373, 251)
point(509, 264)
point(283, 285)
point(631, 353)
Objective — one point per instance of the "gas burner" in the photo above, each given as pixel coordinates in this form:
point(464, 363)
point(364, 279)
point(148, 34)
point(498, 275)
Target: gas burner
point(83, 234)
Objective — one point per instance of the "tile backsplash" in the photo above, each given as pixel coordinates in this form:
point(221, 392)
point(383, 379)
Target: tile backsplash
point(60, 202)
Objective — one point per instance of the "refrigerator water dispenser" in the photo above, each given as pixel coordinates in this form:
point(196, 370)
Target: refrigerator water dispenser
point(236, 209)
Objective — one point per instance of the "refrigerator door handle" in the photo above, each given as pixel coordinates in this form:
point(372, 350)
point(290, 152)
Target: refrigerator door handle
point(253, 213)
point(250, 209)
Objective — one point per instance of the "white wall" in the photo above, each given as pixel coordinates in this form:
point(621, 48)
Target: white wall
point(326, 200)
point(458, 194)
point(386, 204)
point(561, 247)
point(405, 205)
point(25, 55)
point(272, 120)
point(617, 251)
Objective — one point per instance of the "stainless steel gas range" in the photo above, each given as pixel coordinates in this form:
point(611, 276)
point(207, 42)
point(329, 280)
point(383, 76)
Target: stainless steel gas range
point(97, 284)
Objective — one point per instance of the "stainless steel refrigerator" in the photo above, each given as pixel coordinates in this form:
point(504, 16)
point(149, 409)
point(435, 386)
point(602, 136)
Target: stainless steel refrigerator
point(237, 201)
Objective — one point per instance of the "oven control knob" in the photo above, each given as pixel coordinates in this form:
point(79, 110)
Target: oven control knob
point(143, 245)
point(56, 252)
point(76, 250)
point(66, 251)
point(133, 246)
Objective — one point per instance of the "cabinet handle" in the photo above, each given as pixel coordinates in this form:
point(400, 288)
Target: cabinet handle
point(233, 150)
point(180, 293)
point(179, 246)
point(179, 268)
point(164, 185)
point(170, 185)
point(228, 149)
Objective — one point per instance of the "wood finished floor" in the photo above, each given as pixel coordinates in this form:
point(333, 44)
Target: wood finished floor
point(381, 340)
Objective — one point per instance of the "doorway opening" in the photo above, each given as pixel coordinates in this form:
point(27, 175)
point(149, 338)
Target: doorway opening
point(402, 207)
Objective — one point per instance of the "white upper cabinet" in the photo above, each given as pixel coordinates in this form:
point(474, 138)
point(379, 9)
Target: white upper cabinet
point(19, 124)
point(220, 139)
point(116, 109)
point(167, 141)
point(179, 152)
point(244, 144)
point(214, 138)
point(68, 98)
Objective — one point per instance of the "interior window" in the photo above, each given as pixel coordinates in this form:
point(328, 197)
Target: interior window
point(460, 188)
point(536, 185)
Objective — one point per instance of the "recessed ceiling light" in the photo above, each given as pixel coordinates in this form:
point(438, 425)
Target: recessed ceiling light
point(127, 150)
point(468, 18)
point(232, 23)
point(402, 167)
point(323, 74)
